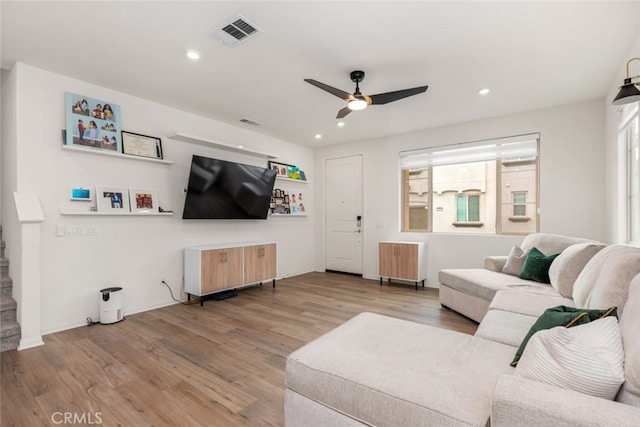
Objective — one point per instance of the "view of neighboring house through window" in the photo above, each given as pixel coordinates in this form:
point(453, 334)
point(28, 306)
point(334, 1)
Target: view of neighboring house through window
point(629, 136)
point(468, 208)
point(519, 203)
point(484, 187)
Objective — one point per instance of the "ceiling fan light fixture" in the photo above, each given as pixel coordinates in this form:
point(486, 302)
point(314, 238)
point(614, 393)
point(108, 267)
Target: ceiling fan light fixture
point(357, 104)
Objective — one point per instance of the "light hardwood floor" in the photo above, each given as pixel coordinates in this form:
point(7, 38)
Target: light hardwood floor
point(217, 365)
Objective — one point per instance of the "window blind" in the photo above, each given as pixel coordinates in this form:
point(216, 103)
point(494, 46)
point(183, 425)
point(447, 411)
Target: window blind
point(512, 148)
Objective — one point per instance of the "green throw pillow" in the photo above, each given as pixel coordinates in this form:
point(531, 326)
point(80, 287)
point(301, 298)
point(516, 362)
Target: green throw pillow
point(562, 316)
point(536, 266)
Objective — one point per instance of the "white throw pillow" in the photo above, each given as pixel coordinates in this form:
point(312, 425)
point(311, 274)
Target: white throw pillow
point(514, 261)
point(586, 358)
point(566, 268)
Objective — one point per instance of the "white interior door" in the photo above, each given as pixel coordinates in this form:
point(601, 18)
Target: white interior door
point(343, 214)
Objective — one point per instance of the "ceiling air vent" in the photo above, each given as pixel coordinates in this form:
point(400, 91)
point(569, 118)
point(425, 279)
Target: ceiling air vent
point(250, 122)
point(235, 30)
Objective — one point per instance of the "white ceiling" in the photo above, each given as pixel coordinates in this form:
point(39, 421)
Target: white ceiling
point(531, 54)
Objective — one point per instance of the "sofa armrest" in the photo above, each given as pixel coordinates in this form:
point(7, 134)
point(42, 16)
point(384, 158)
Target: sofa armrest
point(495, 263)
point(521, 402)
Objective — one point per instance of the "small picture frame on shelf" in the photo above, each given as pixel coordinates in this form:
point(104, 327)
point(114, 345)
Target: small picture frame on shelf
point(294, 173)
point(135, 144)
point(79, 194)
point(143, 200)
point(91, 123)
point(282, 169)
point(112, 200)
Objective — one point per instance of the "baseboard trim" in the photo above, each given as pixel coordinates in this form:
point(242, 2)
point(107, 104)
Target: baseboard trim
point(30, 343)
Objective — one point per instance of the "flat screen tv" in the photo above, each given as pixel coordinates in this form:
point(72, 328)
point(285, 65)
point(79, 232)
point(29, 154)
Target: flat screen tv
point(219, 189)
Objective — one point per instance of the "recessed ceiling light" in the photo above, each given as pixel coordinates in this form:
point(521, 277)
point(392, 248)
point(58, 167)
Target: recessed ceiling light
point(340, 124)
point(240, 146)
point(318, 136)
point(484, 91)
point(193, 55)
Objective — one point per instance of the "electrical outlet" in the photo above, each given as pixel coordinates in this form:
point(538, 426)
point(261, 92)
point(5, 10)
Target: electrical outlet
point(74, 230)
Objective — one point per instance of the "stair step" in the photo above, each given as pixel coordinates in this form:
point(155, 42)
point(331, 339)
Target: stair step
point(8, 308)
point(8, 329)
point(4, 267)
point(5, 281)
point(9, 336)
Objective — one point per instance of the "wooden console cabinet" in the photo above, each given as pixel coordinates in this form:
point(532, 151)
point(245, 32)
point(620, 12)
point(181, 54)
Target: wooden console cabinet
point(214, 268)
point(403, 261)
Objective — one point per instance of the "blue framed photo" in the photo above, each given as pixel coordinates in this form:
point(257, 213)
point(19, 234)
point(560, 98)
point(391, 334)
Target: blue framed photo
point(92, 123)
point(81, 194)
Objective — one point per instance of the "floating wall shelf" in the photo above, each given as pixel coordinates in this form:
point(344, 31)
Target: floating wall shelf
point(115, 154)
point(289, 179)
point(95, 213)
point(181, 136)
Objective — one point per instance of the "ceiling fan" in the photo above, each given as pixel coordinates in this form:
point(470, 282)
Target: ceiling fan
point(358, 101)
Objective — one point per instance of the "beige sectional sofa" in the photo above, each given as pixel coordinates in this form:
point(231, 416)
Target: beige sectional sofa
point(377, 370)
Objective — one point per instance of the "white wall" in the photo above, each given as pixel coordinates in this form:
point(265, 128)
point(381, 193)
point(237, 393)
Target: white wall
point(615, 159)
point(133, 252)
point(8, 148)
point(571, 168)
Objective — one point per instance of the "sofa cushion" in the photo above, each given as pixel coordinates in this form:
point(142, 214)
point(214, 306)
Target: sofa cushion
point(505, 327)
point(629, 321)
point(569, 264)
point(548, 243)
point(561, 316)
point(481, 282)
point(587, 358)
point(375, 367)
point(522, 301)
point(536, 266)
point(605, 279)
point(515, 261)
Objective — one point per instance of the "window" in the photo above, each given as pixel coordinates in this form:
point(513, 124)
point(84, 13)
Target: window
point(488, 187)
point(416, 199)
point(519, 203)
point(629, 136)
point(468, 208)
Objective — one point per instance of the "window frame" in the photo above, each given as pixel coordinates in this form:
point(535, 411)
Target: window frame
point(630, 116)
point(516, 204)
point(412, 160)
point(467, 210)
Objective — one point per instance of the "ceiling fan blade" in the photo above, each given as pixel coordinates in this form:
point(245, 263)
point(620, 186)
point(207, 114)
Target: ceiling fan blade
point(332, 90)
point(384, 98)
point(343, 112)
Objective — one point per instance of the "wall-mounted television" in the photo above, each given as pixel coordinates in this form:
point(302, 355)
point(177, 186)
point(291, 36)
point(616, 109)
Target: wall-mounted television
point(219, 189)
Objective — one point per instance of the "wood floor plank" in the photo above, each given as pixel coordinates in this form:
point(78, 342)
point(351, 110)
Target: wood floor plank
point(186, 365)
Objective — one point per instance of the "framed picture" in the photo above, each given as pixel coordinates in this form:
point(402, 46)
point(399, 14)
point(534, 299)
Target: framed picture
point(135, 144)
point(112, 199)
point(282, 169)
point(81, 194)
point(143, 201)
point(92, 123)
